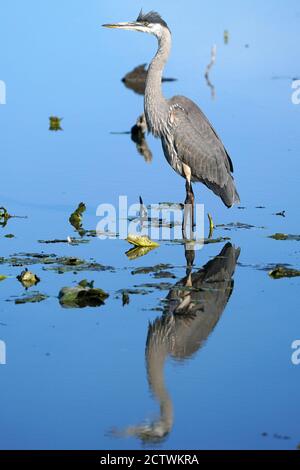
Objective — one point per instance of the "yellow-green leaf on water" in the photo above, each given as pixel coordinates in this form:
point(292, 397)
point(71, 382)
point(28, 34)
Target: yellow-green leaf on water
point(141, 241)
point(28, 278)
point(75, 218)
point(138, 251)
point(55, 123)
point(2, 277)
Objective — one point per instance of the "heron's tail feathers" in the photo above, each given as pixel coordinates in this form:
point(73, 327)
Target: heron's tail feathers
point(229, 194)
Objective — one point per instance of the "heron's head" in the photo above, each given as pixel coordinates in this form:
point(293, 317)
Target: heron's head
point(151, 23)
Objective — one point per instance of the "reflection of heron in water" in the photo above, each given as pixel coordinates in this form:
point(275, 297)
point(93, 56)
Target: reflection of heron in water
point(194, 307)
point(138, 136)
point(136, 79)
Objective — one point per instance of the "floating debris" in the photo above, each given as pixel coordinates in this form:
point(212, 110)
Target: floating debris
point(282, 271)
point(281, 214)
point(2, 277)
point(226, 36)
point(69, 240)
point(56, 263)
point(71, 264)
point(133, 292)
point(207, 241)
point(233, 225)
point(125, 298)
point(9, 235)
point(157, 286)
point(82, 296)
point(28, 278)
point(55, 123)
point(151, 269)
point(35, 297)
point(164, 275)
point(283, 236)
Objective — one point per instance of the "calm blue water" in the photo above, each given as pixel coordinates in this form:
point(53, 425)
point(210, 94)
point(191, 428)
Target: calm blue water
point(77, 378)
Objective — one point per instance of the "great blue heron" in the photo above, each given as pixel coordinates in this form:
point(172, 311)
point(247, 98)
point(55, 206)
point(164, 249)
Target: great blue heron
point(190, 143)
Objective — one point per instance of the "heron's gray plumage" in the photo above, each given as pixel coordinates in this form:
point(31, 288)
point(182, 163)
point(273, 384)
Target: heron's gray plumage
point(190, 143)
point(194, 142)
point(151, 17)
point(186, 134)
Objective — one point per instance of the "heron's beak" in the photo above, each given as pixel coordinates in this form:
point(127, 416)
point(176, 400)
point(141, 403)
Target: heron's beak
point(129, 25)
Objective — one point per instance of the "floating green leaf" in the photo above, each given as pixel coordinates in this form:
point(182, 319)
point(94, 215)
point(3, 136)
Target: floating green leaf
point(141, 241)
point(75, 218)
point(55, 123)
point(80, 297)
point(283, 236)
point(35, 297)
point(282, 271)
point(28, 278)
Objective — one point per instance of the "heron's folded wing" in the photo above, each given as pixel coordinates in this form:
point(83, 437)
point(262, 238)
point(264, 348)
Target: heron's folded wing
point(198, 145)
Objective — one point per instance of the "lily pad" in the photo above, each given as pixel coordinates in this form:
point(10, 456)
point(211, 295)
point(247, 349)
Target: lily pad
point(283, 236)
point(236, 225)
point(157, 286)
point(52, 262)
point(282, 271)
point(35, 297)
point(164, 275)
point(151, 269)
point(135, 291)
point(80, 297)
point(208, 241)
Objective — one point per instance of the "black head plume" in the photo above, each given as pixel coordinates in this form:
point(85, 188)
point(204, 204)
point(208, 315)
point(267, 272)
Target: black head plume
point(151, 17)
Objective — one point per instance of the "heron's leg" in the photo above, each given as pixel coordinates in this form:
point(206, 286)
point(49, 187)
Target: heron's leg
point(188, 208)
point(189, 200)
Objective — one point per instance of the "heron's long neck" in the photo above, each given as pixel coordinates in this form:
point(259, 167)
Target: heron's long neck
point(156, 107)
